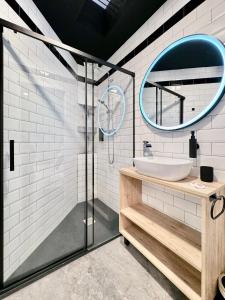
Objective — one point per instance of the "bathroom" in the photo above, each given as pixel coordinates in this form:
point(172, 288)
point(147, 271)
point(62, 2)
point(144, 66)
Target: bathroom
point(85, 115)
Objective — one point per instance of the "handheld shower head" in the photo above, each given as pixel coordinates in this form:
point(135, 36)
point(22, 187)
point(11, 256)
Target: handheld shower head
point(103, 103)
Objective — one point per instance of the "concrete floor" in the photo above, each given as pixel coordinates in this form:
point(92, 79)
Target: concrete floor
point(112, 272)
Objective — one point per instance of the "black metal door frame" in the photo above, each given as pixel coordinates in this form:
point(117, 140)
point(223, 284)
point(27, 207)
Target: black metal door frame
point(1, 158)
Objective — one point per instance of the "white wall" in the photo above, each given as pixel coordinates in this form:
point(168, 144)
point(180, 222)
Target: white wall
point(41, 114)
point(207, 18)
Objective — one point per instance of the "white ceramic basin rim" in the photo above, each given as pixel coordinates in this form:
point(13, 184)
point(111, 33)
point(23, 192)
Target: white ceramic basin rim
point(170, 169)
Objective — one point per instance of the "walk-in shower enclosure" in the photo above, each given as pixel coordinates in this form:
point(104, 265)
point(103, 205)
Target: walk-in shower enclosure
point(59, 194)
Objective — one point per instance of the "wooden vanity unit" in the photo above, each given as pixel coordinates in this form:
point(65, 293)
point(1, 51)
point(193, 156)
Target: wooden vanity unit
point(189, 259)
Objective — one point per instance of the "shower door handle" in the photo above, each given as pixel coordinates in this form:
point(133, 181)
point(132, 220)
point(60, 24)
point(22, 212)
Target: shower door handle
point(11, 155)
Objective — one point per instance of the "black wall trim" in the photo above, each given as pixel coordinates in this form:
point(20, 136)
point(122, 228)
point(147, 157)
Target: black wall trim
point(187, 81)
point(191, 81)
point(179, 15)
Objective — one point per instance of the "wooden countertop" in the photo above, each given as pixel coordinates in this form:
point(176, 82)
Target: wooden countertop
point(185, 185)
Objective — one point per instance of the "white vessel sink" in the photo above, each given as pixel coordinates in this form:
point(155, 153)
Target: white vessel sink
point(165, 168)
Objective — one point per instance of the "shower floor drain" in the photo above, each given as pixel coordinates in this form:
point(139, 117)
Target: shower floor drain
point(89, 221)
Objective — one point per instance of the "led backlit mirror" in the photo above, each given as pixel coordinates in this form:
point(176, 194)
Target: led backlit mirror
point(111, 110)
point(184, 83)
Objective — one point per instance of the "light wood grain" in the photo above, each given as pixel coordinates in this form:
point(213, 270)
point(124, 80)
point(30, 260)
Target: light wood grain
point(130, 191)
point(184, 185)
point(159, 237)
point(123, 222)
point(213, 250)
point(181, 239)
point(186, 278)
point(130, 194)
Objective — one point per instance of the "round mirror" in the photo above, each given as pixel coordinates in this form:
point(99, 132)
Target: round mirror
point(111, 110)
point(184, 83)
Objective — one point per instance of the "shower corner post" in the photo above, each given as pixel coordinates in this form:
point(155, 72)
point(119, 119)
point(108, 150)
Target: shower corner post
point(86, 158)
point(1, 159)
point(134, 115)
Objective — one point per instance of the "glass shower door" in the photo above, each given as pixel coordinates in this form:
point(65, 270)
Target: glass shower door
point(44, 220)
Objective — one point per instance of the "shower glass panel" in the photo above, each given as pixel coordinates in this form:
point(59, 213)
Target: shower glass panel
point(44, 125)
point(114, 152)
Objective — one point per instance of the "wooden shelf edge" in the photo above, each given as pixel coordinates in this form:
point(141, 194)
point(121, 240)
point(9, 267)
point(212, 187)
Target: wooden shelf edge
point(161, 227)
point(182, 185)
point(169, 264)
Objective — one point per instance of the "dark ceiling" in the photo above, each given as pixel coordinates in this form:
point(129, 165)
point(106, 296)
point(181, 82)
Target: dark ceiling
point(86, 26)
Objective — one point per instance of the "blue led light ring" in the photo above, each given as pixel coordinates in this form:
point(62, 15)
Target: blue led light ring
point(118, 88)
point(219, 45)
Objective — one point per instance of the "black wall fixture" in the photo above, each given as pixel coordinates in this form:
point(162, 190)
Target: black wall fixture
point(193, 145)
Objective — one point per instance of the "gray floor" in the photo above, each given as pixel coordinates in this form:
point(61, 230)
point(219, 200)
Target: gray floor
point(69, 237)
point(112, 272)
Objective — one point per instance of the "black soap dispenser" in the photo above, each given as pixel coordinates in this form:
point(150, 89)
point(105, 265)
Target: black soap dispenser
point(193, 145)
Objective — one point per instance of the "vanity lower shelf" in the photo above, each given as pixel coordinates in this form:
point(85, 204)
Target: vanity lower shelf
point(184, 276)
point(179, 238)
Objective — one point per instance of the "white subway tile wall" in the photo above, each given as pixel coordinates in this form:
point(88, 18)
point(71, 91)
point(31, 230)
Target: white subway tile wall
point(207, 18)
point(42, 115)
point(121, 142)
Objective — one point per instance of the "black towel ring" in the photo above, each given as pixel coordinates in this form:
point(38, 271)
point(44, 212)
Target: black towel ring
point(214, 198)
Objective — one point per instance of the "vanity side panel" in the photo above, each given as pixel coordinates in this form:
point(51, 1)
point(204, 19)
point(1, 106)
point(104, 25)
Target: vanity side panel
point(213, 249)
point(130, 194)
point(130, 191)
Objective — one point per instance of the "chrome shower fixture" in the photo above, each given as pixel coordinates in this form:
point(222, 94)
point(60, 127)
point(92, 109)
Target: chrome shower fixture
point(103, 103)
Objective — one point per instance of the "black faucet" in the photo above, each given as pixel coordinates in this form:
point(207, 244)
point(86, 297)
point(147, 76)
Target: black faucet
point(193, 145)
